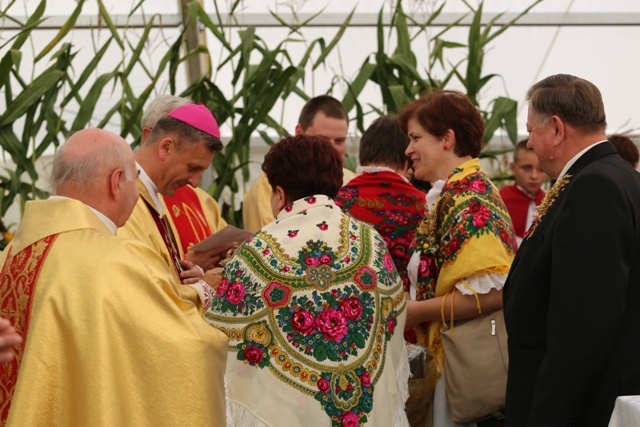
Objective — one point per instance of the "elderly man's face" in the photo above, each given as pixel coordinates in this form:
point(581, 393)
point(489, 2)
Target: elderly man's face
point(541, 138)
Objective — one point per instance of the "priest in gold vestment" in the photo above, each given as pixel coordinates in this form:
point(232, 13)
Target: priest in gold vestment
point(111, 338)
point(191, 212)
point(176, 152)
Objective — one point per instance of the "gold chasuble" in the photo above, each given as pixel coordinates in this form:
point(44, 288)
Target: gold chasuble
point(142, 226)
point(193, 215)
point(111, 339)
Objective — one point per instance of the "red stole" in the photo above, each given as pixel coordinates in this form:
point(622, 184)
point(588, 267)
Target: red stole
point(185, 210)
point(517, 203)
point(18, 280)
point(167, 236)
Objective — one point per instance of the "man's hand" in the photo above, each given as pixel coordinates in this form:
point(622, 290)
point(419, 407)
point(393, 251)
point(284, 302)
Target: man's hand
point(208, 259)
point(191, 273)
point(8, 339)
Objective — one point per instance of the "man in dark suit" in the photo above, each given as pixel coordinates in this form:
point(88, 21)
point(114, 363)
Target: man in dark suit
point(572, 298)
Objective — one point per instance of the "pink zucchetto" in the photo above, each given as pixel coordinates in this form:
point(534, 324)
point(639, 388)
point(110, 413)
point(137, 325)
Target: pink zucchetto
point(198, 116)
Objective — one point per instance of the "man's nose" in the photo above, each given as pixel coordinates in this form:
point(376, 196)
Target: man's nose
point(194, 180)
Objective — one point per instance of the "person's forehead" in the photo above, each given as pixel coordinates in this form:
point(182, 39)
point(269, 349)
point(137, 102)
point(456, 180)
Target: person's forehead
point(196, 151)
point(526, 156)
point(530, 116)
point(322, 122)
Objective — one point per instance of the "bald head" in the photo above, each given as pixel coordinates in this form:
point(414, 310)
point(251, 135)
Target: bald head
point(97, 167)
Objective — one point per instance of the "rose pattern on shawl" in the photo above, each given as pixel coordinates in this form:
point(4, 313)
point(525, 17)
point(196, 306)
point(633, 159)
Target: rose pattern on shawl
point(387, 261)
point(303, 322)
point(483, 213)
point(323, 385)
point(253, 354)
point(351, 308)
point(473, 218)
point(329, 325)
point(315, 253)
point(347, 197)
point(311, 261)
point(236, 294)
point(347, 397)
point(391, 325)
point(349, 419)
point(333, 324)
point(478, 185)
point(385, 266)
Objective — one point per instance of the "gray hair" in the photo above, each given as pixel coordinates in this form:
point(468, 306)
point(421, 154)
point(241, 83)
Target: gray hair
point(576, 101)
point(187, 134)
point(83, 170)
point(160, 107)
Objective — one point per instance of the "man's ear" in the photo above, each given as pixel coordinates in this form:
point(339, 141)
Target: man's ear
point(165, 147)
point(145, 133)
point(115, 180)
point(560, 129)
point(299, 130)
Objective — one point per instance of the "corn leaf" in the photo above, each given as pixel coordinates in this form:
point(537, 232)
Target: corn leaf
point(326, 51)
point(88, 106)
point(30, 96)
point(357, 84)
point(32, 23)
point(86, 73)
point(64, 30)
point(112, 28)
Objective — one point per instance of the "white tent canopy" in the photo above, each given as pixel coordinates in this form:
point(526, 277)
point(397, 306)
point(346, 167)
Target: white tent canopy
point(588, 38)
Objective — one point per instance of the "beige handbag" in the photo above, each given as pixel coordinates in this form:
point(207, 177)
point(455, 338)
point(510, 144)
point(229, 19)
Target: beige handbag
point(475, 367)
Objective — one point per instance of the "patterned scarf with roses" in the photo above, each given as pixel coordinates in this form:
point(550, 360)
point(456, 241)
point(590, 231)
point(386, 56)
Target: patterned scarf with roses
point(469, 232)
point(314, 310)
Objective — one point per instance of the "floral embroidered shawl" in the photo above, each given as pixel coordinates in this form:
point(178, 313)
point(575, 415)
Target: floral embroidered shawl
point(315, 310)
point(468, 233)
point(392, 205)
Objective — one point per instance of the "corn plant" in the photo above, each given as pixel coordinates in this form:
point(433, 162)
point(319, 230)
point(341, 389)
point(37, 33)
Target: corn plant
point(57, 96)
point(400, 80)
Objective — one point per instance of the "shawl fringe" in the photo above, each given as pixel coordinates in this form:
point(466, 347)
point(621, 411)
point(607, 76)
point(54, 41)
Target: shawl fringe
point(403, 372)
point(239, 416)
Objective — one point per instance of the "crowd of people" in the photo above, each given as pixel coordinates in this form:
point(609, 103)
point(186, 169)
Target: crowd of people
point(111, 317)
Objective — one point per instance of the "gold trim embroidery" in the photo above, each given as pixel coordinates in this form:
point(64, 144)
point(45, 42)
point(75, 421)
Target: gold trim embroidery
point(548, 200)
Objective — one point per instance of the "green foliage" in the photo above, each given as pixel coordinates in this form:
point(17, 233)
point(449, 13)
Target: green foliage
point(36, 118)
